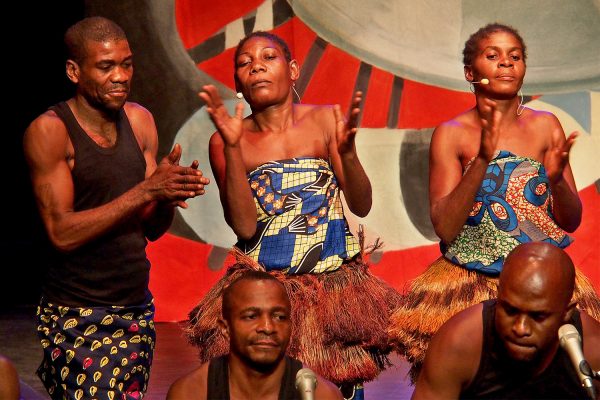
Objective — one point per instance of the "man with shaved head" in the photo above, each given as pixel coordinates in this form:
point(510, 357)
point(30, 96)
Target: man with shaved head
point(508, 348)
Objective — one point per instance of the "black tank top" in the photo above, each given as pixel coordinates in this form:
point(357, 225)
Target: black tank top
point(496, 378)
point(218, 379)
point(113, 269)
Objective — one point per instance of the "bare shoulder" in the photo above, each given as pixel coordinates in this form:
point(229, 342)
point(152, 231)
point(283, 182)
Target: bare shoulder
point(542, 121)
point(143, 126)
point(452, 357)
point(133, 108)
point(319, 112)
point(192, 386)
point(455, 136)
point(47, 132)
point(215, 140)
point(138, 114)
point(458, 125)
point(317, 119)
point(215, 152)
point(461, 325)
point(591, 339)
point(458, 342)
point(327, 390)
point(48, 121)
point(540, 116)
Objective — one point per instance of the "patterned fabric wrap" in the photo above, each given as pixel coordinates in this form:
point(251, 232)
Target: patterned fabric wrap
point(301, 226)
point(513, 206)
point(96, 352)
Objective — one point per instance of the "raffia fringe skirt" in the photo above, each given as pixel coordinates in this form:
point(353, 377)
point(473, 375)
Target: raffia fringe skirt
point(339, 320)
point(443, 290)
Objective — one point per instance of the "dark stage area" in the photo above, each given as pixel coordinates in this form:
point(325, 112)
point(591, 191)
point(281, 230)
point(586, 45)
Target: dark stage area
point(37, 80)
point(173, 358)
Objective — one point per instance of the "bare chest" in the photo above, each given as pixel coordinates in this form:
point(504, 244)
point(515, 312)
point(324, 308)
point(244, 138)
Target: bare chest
point(259, 148)
point(104, 139)
point(519, 142)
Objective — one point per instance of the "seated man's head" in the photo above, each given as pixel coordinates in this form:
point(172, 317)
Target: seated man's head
point(534, 300)
point(256, 319)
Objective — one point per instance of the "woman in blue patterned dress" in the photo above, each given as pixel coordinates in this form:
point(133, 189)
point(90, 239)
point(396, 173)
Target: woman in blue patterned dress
point(280, 173)
point(499, 176)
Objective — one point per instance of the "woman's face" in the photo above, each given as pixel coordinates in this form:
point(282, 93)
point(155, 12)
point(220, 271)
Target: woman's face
point(262, 73)
point(500, 60)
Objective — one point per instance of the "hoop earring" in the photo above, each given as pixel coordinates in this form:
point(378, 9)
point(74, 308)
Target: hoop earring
point(297, 95)
point(521, 107)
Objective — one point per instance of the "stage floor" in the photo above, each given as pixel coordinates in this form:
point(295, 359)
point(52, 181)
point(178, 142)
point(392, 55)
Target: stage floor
point(173, 358)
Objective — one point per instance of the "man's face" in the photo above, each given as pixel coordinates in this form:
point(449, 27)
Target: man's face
point(104, 75)
point(527, 321)
point(259, 325)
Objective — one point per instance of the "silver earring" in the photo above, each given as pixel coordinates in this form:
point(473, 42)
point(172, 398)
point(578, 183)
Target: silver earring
point(297, 95)
point(471, 87)
point(521, 107)
point(239, 95)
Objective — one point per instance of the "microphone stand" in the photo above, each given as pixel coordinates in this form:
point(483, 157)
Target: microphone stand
point(585, 369)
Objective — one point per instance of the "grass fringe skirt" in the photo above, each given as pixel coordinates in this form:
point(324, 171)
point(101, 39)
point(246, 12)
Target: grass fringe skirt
point(339, 320)
point(443, 290)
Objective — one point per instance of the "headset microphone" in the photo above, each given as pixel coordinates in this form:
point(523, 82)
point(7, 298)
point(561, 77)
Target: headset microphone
point(484, 81)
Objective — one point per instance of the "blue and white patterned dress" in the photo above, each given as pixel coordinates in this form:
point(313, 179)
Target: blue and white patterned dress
point(301, 226)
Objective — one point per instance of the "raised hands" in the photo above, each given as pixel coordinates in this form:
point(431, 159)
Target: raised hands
point(346, 130)
point(230, 128)
point(557, 158)
point(490, 121)
point(173, 183)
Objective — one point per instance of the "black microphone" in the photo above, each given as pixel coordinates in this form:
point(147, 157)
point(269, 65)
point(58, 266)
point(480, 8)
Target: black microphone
point(306, 382)
point(570, 341)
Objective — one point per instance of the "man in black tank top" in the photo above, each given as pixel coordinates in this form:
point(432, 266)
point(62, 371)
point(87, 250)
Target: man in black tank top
point(101, 197)
point(509, 348)
point(256, 322)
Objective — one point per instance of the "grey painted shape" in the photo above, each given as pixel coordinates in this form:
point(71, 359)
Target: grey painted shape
point(281, 12)
point(310, 64)
point(362, 84)
point(395, 98)
point(217, 257)
point(181, 228)
point(562, 39)
point(249, 24)
point(211, 47)
point(423, 40)
point(414, 179)
point(577, 105)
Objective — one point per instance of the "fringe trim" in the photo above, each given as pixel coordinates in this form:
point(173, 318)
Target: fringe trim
point(585, 295)
point(340, 318)
point(441, 291)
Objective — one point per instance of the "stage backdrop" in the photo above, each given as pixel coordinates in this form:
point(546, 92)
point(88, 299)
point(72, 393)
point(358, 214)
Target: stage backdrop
point(406, 57)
